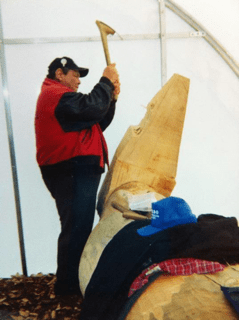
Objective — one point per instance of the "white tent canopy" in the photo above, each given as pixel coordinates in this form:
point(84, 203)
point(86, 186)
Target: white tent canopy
point(152, 43)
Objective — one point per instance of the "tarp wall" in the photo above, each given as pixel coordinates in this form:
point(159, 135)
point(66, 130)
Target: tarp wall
point(208, 166)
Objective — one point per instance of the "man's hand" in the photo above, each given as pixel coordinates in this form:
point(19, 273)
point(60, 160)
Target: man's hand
point(111, 73)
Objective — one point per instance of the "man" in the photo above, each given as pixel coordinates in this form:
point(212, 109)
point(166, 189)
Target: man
point(71, 154)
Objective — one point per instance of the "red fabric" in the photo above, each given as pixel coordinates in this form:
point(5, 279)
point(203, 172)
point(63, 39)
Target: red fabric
point(52, 142)
point(182, 266)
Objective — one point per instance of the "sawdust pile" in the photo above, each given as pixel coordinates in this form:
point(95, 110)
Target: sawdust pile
point(33, 298)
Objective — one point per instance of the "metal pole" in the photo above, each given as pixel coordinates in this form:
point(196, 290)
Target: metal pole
point(163, 43)
point(11, 147)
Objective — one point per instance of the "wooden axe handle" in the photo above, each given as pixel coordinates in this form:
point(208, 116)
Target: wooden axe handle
point(104, 31)
point(128, 214)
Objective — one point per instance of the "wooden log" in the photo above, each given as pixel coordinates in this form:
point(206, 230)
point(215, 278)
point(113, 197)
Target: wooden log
point(187, 297)
point(145, 161)
point(148, 153)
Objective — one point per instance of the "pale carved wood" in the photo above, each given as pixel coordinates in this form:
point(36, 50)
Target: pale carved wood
point(146, 161)
point(187, 297)
point(148, 153)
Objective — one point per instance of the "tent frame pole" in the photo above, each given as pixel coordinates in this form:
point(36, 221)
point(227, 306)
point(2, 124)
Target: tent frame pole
point(6, 100)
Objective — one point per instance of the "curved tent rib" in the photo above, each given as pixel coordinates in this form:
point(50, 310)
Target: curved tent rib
point(208, 37)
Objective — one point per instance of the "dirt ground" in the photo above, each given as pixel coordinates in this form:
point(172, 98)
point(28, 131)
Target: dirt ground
point(33, 298)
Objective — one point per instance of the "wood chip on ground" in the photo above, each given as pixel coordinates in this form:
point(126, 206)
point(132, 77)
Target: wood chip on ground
point(33, 298)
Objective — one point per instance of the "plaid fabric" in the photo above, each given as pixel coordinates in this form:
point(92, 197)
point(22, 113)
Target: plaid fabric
point(182, 266)
point(189, 266)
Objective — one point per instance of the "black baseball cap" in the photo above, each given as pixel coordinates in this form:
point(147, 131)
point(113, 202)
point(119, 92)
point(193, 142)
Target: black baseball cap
point(66, 62)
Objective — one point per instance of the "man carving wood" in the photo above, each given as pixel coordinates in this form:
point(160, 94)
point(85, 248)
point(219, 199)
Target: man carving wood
point(72, 153)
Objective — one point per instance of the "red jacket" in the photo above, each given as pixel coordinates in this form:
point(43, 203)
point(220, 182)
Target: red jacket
point(69, 124)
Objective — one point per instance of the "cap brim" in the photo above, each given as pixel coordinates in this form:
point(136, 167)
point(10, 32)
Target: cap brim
point(83, 72)
point(148, 231)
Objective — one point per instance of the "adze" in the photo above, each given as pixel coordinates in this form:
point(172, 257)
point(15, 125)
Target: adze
point(104, 31)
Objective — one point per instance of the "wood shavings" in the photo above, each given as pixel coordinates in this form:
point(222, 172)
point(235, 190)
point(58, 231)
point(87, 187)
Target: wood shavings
point(33, 298)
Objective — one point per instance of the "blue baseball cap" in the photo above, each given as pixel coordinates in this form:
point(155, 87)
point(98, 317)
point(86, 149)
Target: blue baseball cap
point(167, 213)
